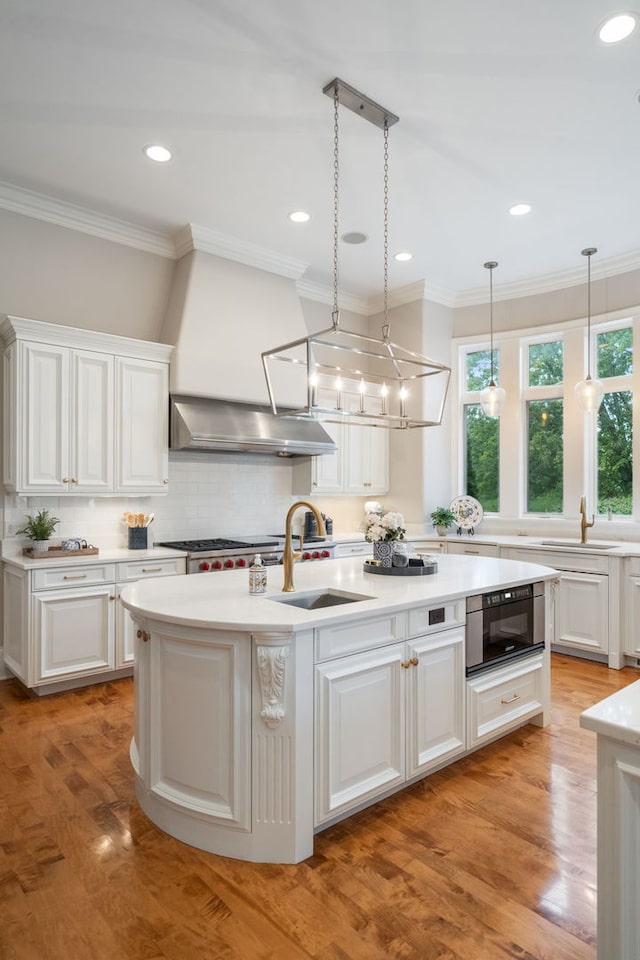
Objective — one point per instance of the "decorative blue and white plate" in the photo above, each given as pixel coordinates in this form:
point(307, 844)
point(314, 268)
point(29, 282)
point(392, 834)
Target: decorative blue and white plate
point(467, 511)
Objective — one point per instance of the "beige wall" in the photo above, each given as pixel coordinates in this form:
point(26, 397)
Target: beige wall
point(607, 296)
point(62, 276)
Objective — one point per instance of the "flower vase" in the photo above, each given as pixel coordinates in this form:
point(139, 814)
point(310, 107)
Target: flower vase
point(382, 552)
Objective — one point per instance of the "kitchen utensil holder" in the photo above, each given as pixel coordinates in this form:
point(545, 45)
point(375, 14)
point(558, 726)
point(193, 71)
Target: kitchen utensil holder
point(137, 538)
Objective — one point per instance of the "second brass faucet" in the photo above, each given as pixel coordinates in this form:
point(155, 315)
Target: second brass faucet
point(289, 555)
point(584, 524)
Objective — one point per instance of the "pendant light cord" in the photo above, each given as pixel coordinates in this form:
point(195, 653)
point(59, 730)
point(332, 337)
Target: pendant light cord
point(385, 328)
point(490, 266)
point(588, 253)
point(336, 173)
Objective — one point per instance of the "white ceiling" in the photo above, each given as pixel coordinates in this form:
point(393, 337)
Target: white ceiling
point(499, 102)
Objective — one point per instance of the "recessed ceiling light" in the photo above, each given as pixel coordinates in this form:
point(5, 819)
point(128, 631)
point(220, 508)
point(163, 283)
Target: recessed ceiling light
point(617, 28)
point(402, 257)
point(354, 237)
point(158, 153)
point(519, 209)
point(299, 216)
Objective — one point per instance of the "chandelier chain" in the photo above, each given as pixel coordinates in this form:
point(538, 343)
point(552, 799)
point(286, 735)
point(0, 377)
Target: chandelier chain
point(386, 225)
point(336, 174)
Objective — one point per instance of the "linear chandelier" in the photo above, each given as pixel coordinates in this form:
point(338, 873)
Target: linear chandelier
point(338, 375)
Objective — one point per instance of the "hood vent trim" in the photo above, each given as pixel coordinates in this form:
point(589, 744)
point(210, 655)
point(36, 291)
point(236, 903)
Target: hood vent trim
point(225, 426)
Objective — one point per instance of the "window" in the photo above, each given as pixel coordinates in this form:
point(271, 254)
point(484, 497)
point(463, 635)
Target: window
point(544, 373)
point(481, 433)
point(543, 453)
point(614, 427)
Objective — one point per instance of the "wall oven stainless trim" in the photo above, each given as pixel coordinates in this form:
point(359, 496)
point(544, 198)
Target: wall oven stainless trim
point(504, 603)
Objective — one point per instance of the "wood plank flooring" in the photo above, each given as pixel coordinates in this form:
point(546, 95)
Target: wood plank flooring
point(493, 857)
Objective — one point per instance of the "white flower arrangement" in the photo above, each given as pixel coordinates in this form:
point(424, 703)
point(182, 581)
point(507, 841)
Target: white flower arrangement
point(389, 526)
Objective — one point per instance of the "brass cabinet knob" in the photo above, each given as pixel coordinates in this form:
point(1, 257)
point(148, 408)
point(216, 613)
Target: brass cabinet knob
point(405, 664)
point(143, 635)
point(414, 661)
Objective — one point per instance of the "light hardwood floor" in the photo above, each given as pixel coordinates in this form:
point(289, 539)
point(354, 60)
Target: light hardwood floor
point(490, 858)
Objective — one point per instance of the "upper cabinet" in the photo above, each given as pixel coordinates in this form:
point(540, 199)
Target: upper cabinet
point(84, 413)
point(360, 465)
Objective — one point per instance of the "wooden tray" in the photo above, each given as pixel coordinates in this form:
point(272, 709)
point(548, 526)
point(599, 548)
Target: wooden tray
point(54, 552)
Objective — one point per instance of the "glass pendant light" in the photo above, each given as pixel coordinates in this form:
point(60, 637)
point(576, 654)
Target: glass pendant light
point(589, 392)
point(492, 397)
point(340, 376)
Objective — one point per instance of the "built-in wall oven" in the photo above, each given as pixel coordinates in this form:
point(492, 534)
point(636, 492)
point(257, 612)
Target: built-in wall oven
point(503, 625)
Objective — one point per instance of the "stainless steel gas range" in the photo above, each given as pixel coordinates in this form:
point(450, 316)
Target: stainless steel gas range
point(212, 555)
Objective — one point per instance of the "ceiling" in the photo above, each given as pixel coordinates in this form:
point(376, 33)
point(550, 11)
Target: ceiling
point(499, 102)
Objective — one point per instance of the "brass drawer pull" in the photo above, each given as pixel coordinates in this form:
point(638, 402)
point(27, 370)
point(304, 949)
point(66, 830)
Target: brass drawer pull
point(512, 699)
point(476, 552)
point(143, 635)
point(77, 576)
point(152, 569)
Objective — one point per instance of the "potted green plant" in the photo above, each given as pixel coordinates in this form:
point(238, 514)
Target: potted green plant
point(441, 518)
point(39, 528)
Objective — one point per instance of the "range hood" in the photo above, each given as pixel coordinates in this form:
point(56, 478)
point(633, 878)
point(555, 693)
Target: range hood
point(215, 425)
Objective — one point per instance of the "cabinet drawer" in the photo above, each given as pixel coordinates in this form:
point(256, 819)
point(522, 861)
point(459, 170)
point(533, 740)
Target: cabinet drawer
point(427, 546)
point(571, 559)
point(473, 549)
point(341, 639)
point(634, 567)
point(503, 698)
point(437, 616)
point(139, 569)
point(353, 549)
point(75, 576)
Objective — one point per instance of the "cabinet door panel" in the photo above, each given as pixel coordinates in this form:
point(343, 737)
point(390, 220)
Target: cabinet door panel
point(91, 459)
point(45, 378)
point(582, 611)
point(360, 729)
point(142, 426)
point(435, 707)
point(201, 755)
point(632, 619)
point(74, 631)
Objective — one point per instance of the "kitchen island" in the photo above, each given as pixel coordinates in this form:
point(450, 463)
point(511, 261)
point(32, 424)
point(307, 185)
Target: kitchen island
point(259, 722)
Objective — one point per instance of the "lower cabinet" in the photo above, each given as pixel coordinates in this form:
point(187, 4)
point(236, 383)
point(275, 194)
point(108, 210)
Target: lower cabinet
point(385, 716)
point(631, 628)
point(502, 699)
point(65, 624)
point(582, 611)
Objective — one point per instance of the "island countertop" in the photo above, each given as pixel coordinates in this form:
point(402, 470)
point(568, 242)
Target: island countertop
point(222, 600)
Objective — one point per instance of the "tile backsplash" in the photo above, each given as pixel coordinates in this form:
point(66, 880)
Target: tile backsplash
point(223, 495)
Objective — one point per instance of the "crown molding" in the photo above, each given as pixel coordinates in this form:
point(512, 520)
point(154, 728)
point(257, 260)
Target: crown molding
point(550, 282)
point(324, 294)
point(194, 237)
point(69, 215)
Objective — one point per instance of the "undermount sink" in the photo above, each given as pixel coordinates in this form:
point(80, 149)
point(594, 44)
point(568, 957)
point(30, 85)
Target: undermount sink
point(320, 598)
point(578, 546)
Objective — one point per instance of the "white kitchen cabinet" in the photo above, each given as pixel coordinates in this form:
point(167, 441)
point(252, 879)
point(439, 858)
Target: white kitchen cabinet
point(64, 624)
point(387, 715)
point(84, 413)
point(501, 699)
point(581, 608)
point(73, 632)
point(142, 412)
point(359, 467)
point(353, 548)
point(631, 604)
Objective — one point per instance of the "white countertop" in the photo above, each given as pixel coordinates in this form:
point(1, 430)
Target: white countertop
point(617, 548)
point(222, 600)
point(616, 717)
point(112, 555)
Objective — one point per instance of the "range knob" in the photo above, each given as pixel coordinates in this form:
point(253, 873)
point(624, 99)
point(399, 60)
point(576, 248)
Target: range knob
point(216, 565)
point(204, 565)
point(316, 554)
point(241, 562)
point(228, 564)
point(306, 555)
point(325, 553)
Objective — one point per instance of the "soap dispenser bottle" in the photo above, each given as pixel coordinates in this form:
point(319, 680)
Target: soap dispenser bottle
point(257, 576)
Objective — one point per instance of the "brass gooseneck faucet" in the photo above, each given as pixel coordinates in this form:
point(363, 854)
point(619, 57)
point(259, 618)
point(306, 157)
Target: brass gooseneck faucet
point(290, 555)
point(584, 525)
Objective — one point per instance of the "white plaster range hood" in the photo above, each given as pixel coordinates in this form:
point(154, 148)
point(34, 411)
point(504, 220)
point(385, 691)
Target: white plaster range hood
point(220, 317)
